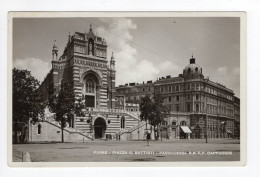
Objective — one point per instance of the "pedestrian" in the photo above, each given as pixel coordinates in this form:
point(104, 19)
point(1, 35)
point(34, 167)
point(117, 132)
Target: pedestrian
point(148, 137)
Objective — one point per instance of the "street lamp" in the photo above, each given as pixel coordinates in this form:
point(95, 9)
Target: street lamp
point(138, 127)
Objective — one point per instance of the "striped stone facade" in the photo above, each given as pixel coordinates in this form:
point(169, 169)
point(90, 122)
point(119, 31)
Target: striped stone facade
point(84, 63)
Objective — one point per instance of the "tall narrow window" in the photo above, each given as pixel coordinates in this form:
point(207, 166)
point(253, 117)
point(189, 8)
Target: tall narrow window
point(123, 122)
point(39, 129)
point(188, 108)
point(177, 88)
point(197, 108)
point(89, 86)
point(188, 97)
point(177, 107)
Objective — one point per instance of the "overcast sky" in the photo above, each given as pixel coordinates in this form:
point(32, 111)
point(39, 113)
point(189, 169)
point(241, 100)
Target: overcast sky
point(144, 48)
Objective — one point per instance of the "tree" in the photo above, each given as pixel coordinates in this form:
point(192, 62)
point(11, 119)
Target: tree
point(146, 108)
point(153, 110)
point(159, 111)
point(64, 104)
point(28, 102)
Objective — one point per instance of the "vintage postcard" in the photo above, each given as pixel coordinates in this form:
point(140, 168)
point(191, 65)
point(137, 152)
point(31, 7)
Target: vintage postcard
point(126, 89)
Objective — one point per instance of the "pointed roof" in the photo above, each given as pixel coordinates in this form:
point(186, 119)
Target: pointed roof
point(54, 46)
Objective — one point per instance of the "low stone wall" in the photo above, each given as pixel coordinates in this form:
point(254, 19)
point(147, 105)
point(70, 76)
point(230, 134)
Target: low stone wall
point(50, 132)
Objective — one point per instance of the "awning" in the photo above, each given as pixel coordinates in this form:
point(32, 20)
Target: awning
point(229, 131)
point(186, 129)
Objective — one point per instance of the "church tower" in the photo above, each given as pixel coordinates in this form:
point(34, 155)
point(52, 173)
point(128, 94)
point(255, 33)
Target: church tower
point(111, 83)
point(54, 51)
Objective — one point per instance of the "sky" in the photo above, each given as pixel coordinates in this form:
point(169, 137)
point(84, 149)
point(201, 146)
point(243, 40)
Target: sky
point(144, 48)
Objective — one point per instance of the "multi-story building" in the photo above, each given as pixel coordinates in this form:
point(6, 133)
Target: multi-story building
point(198, 105)
point(84, 63)
point(236, 117)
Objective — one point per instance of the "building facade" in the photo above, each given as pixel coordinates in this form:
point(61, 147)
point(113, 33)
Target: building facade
point(84, 63)
point(198, 105)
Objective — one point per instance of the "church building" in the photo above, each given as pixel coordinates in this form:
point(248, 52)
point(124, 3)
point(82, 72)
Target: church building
point(198, 106)
point(84, 62)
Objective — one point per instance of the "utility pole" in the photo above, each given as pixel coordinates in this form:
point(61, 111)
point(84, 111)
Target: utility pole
point(206, 115)
point(138, 128)
point(206, 127)
point(206, 121)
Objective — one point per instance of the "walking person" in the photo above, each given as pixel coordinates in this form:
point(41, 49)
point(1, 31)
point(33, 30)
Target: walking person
point(148, 137)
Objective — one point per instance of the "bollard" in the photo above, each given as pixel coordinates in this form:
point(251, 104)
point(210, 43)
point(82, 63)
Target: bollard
point(26, 157)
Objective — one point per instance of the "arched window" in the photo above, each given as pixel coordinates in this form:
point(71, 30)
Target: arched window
point(183, 123)
point(123, 122)
point(89, 86)
point(189, 70)
point(39, 129)
point(196, 69)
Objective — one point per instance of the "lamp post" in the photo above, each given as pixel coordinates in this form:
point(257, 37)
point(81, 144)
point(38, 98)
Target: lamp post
point(206, 128)
point(206, 120)
point(138, 127)
point(206, 115)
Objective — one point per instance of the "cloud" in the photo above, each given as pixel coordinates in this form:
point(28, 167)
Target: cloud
point(129, 67)
point(228, 77)
point(167, 67)
point(222, 70)
point(38, 67)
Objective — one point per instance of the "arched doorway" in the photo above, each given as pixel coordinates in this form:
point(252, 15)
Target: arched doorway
point(100, 128)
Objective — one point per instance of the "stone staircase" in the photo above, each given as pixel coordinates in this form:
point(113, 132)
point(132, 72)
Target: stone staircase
point(51, 120)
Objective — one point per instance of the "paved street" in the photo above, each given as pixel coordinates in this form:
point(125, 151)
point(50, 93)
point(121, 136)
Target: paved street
point(130, 151)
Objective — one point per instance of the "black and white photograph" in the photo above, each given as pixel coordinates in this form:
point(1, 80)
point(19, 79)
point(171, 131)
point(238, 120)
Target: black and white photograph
point(126, 88)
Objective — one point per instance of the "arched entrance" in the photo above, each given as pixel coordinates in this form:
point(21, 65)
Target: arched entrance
point(100, 128)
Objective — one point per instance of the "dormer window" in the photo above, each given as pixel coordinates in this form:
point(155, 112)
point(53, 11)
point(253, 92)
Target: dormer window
point(189, 70)
point(196, 69)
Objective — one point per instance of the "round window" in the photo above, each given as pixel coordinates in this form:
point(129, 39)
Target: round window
point(196, 69)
